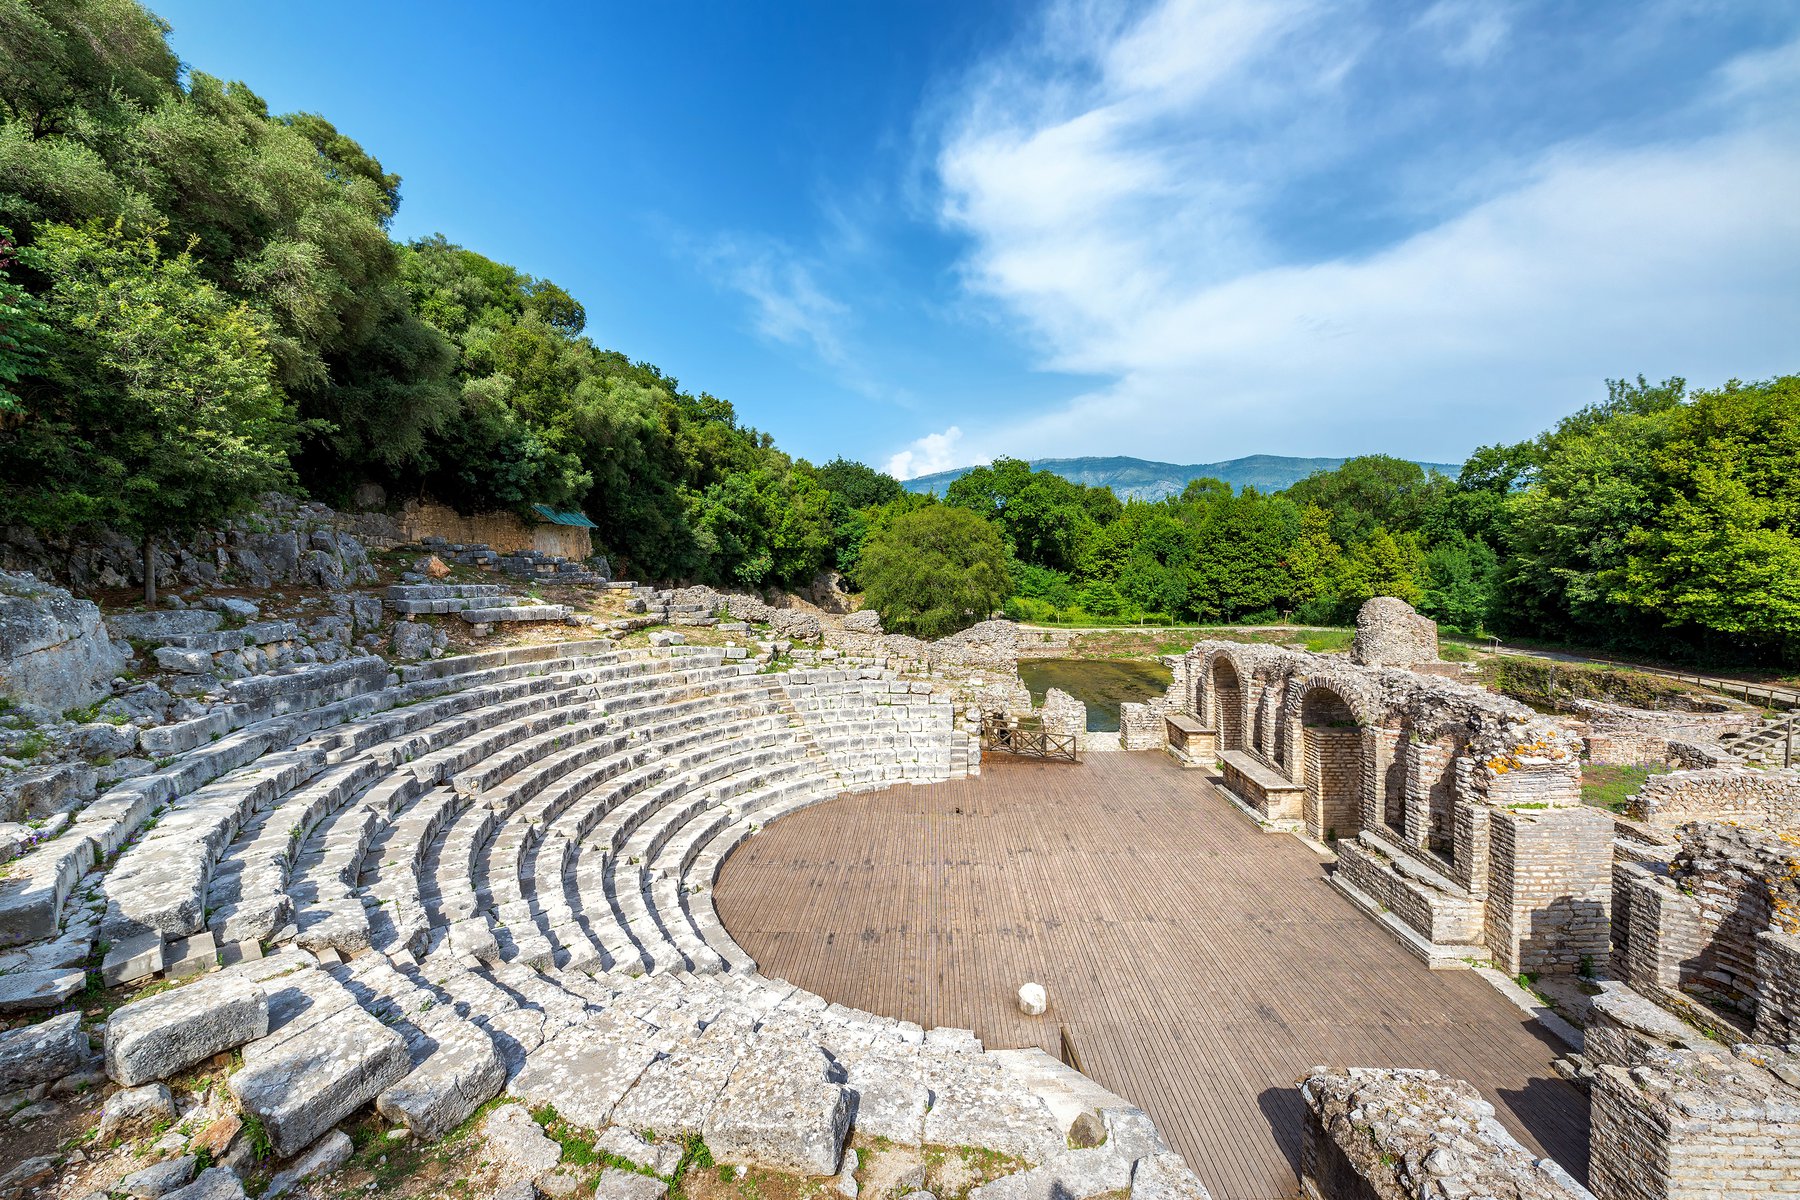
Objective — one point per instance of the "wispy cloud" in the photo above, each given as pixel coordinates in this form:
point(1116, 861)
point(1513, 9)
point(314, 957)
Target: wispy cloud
point(1138, 189)
point(787, 302)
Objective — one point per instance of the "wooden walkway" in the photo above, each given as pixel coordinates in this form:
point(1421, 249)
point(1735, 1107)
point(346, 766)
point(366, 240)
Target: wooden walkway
point(1200, 965)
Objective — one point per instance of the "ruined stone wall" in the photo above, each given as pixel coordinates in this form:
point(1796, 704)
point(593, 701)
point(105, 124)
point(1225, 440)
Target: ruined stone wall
point(1743, 881)
point(1390, 633)
point(1372, 1134)
point(1664, 933)
point(1142, 726)
point(1767, 798)
point(1778, 987)
point(1694, 1124)
point(502, 531)
point(1550, 893)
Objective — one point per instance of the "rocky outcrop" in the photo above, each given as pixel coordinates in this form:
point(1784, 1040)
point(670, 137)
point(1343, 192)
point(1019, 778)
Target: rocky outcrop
point(286, 541)
point(54, 650)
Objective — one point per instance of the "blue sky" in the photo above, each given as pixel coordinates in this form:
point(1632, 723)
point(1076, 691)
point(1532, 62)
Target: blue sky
point(924, 234)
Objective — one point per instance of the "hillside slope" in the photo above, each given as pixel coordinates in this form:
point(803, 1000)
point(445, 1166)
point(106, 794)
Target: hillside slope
point(1142, 479)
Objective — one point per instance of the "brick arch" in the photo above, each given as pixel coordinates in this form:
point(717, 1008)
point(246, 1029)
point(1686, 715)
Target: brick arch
point(1428, 761)
point(1331, 747)
point(1227, 687)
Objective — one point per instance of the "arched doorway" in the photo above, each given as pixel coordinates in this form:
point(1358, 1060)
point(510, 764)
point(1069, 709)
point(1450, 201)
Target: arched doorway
point(1334, 765)
point(1228, 704)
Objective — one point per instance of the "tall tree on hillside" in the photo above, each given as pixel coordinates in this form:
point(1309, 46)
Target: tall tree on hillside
point(934, 571)
point(163, 418)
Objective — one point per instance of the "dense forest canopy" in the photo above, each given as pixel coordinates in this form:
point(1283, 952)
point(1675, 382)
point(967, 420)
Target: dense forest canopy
point(200, 300)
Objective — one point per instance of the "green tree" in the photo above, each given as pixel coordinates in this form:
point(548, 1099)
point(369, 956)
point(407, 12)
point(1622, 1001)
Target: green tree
point(934, 571)
point(165, 418)
point(22, 329)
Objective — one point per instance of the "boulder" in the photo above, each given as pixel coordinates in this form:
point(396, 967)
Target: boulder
point(327, 1154)
point(171, 1031)
point(55, 653)
point(214, 1183)
point(412, 640)
point(133, 1112)
point(161, 1178)
point(103, 739)
point(41, 1053)
point(628, 1185)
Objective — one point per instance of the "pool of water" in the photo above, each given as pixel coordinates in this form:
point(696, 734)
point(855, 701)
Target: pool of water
point(1100, 684)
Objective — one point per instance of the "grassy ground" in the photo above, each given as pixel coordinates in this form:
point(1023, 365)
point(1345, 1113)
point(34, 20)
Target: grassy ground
point(1151, 642)
point(1607, 787)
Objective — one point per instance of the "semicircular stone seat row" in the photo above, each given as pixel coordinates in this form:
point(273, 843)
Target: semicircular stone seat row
point(494, 873)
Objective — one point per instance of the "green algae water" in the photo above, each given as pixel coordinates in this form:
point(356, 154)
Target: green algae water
point(1100, 684)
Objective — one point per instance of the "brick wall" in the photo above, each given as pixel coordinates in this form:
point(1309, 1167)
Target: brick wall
point(1550, 893)
point(1334, 779)
point(1663, 931)
point(1704, 1124)
point(1778, 987)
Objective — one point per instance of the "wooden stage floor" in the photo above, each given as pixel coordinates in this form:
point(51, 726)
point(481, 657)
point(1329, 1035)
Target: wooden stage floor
point(1200, 965)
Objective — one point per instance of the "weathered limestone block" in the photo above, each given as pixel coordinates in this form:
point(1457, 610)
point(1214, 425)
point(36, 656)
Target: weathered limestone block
point(1072, 1175)
point(661, 1157)
point(54, 651)
point(1391, 633)
point(1693, 1124)
point(23, 991)
point(584, 1072)
point(161, 1178)
point(316, 1078)
point(327, 1154)
point(1624, 1028)
point(41, 1053)
point(515, 1139)
point(780, 1110)
point(412, 640)
point(1166, 1176)
point(171, 1031)
point(1373, 1134)
point(464, 1072)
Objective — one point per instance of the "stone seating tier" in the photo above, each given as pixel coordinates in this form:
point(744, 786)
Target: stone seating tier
point(493, 874)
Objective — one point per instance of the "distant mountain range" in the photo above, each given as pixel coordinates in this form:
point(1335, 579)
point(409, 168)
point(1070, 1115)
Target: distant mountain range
point(1141, 479)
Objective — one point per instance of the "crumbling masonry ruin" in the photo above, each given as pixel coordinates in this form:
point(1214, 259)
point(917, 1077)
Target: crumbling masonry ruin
point(1456, 813)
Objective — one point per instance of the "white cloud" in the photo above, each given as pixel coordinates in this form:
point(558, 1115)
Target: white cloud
point(929, 454)
point(1116, 195)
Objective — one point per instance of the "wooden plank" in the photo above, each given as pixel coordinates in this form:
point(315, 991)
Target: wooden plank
point(1201, 965)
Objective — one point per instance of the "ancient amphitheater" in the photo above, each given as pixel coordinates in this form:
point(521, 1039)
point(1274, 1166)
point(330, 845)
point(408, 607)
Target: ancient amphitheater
point(483, 887)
